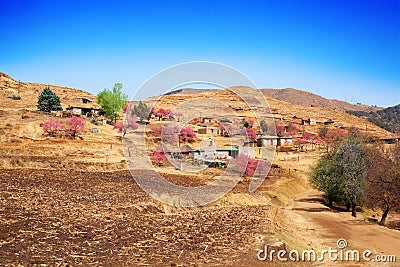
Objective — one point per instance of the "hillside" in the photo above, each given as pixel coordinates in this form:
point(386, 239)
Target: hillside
point(24, 144)
point(388, 118)
point(284, 112)
point(284, 109)
point(29, 93)
point(187, 91)
point(308, 99)
point(295, 96)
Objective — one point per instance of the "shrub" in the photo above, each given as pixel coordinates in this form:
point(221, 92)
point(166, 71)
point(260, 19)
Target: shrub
point(249, 165)
point(76, 126)
point(155, 131)
point(170, 134)
point(141, 110)
point(264, 126)
point(52, 127)
point(158, 157)
point(119, 126)
point(251, 134)
point(187, 134)
point(132, 124)
point(160, 113)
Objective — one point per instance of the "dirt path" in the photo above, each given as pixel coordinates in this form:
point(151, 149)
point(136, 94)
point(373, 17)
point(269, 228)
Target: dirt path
point(328, 226)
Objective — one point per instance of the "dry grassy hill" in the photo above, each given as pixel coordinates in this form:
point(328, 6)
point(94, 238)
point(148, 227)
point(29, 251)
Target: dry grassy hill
point(25, 146)
point(29, 93)
point(298, 97)
point(284, 112)
point(308, 99)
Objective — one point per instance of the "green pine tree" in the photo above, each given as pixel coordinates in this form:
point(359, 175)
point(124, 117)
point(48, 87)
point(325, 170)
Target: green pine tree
point(48, 101)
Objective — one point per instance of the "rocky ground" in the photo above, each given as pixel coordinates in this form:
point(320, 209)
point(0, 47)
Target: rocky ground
point(61, 218)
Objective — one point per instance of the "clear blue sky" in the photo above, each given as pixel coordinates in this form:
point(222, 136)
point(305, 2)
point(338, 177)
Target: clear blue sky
point(341, 49)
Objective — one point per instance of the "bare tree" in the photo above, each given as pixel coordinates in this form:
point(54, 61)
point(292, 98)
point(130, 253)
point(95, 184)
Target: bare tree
point(382, 179)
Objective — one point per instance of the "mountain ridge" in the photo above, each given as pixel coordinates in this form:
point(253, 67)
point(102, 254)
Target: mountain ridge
point(388, 118)
point(305, 98)
point(298, 97)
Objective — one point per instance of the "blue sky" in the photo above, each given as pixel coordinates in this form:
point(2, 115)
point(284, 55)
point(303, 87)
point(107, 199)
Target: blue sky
point(340, 49)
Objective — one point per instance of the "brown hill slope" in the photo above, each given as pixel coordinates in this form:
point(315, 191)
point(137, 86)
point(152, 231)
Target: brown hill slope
point(29, 93)
point(298, 97)
point(284, 112)
point(308, 99)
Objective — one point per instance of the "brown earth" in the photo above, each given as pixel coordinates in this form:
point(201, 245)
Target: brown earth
point(329, 226)
point(91, 218)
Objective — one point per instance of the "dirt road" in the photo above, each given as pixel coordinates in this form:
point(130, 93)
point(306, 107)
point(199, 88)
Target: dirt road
point(328, 226)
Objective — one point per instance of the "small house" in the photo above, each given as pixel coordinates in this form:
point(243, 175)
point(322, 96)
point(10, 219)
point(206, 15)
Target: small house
point(225, 120)
point(83, 109)
point(209, 130)
point(251, 152)
point(267, 141)
point(285, 140)
point(280, 130)
point(208, 120)
point(227, 152)
point(309, 121)
point(250, 143)
point(82, 106)
point(184, 150)
point(328, 122)
point(83, 100)
point(264, 141)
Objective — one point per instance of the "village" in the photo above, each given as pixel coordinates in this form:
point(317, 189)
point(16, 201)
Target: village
point(212, 141)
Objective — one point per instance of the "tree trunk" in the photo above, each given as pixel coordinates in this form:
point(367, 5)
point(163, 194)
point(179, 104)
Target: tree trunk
point(347, 206)
point(384, 216)
point(353, 210)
